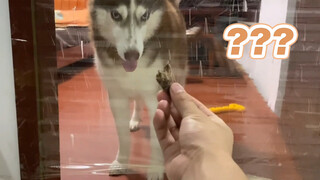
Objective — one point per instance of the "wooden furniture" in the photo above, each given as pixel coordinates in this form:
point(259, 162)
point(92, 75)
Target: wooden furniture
point(207, 55)
point(70, 4)
point(35, 72)
point(72, 20)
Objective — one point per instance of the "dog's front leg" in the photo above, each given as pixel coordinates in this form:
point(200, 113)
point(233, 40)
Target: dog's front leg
point(136, 118)
point(156, 169)
point(121, 113)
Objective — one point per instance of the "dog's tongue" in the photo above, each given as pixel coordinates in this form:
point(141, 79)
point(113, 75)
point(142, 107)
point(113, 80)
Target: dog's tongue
point(130, 66)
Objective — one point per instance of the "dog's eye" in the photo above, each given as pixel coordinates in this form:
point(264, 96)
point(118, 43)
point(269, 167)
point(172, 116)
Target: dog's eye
point(145, 16)
point(116, 15)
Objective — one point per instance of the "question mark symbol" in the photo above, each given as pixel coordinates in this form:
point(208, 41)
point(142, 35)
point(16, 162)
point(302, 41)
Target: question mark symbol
point(285, 35)
point(237, 35)
point(261, 35)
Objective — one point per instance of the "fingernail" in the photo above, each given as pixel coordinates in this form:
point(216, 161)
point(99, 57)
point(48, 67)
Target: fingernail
point(177, 88)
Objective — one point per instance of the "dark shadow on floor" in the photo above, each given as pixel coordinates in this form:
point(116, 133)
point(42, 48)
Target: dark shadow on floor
point(67, 72)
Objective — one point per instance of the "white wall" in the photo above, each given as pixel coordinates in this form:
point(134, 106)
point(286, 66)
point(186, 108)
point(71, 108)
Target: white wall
point(9, 156)
point(266, 73)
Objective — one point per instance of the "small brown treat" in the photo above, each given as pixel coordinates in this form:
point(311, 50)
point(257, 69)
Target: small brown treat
point(165, 78)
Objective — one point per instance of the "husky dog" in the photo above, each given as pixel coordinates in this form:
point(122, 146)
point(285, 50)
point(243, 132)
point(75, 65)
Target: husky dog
point(133, 39)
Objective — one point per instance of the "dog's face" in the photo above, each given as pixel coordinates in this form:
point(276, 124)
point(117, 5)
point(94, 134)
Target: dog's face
point(127, 25)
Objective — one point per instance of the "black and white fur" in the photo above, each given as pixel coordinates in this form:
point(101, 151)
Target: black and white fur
point(133, 39)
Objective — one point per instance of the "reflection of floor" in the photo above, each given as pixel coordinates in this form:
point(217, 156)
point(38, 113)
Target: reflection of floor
point(89, 140)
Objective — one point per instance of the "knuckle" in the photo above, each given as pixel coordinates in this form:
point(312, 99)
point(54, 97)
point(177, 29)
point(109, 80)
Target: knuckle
point(229, 131)
point(182, 97)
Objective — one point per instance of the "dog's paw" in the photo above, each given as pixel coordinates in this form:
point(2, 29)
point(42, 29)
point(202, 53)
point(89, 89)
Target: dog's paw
point(134, 125)
point(117, 169)
point(155, 173)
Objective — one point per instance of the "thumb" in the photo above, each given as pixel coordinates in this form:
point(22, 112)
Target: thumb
point(183, 101)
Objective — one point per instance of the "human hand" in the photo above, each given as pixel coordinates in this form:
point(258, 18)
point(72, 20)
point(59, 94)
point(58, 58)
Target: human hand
point(195, 142)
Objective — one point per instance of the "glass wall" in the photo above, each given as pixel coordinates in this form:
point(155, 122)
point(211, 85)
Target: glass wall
point(93, 88)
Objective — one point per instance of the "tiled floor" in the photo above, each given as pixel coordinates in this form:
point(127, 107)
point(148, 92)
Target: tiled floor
point(89, 142)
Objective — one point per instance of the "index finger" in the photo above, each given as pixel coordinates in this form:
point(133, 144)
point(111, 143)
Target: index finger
point(183, 102)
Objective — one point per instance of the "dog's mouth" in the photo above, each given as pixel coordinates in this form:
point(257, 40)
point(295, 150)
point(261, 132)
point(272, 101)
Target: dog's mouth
point(130, 66)
point(131, 62)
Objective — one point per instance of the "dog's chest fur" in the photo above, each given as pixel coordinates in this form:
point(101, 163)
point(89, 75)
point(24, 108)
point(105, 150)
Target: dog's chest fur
point(136, 83)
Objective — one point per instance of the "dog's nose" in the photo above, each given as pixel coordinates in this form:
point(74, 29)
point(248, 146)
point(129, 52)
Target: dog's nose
point(132, 55)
